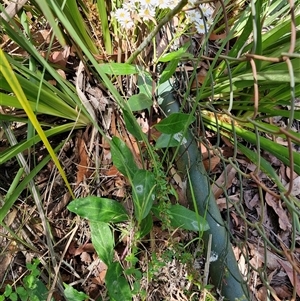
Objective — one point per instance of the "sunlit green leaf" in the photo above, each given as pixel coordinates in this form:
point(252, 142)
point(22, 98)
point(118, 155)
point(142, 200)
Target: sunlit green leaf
point(103, 241)
point(72, 294)
point(119, 68)
point(184, 218)
point(174, 123)
point(143, 185)
point(132, 126)
point(98, 209)
point(118, 287)
point(139, 102)
point(123, 158)
point(175, 55)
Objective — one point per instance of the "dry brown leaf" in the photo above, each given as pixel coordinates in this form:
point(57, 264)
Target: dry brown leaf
point(211, 163)
point(224, 181)
point(82, 167)
point(284, 221)
point(288, 269)
point(258, 258)
point(296, 186)
point(200, 78)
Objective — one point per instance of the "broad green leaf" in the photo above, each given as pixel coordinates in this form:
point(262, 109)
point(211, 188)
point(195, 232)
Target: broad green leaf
point(122, 157)
point(118, 68)
point(98, 209)
point(186, 219)
point(132, 126)
point(168, 71)
point(72, 294)
point(174, 123)
point(176, 55)
point(139, 102)
point(103, 241)
point(143, 185)
point(170, 140)
point(117, 285)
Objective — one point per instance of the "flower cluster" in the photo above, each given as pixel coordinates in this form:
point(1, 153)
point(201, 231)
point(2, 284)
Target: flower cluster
point(144, 10)
point(200, 15)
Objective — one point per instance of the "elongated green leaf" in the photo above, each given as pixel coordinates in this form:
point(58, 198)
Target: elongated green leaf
point(20, 147)
point(119, 68)
point(132, 126)
point(174, 123)
point(118, 287)
point(139, 102)
point(102, 10)
point(279, 151)
point(103, 241)
point(50, 18)
point(186, 219)
point(123, 158)
point(169, 71)
point(98, 209)
point(265, 166)
point(16, 192)
point(10, 77)
point(143, 186)
point(176, 55)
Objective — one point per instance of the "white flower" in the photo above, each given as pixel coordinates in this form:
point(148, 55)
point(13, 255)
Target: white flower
point(130, 6)
point(193, 15)
point(124, 18)
point(151, 4)
point(163, 4)
point(209, 21)
point(121, 14)
point(147, 13)
point(200, 27)
point(206, 10)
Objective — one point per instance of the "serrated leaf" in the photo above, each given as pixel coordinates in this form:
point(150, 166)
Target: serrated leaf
point(143, 185)
point(117, 285)
point(139, 102)
point(72, 294)
point(103, 241)
point(168, 71)
point(98, 209)
point(122, 157)
point(132, 126)
point(169, 140)
point(174, 123)
point(119, 68)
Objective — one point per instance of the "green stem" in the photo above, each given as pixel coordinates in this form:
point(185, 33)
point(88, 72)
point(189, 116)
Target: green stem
point(224, 271)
